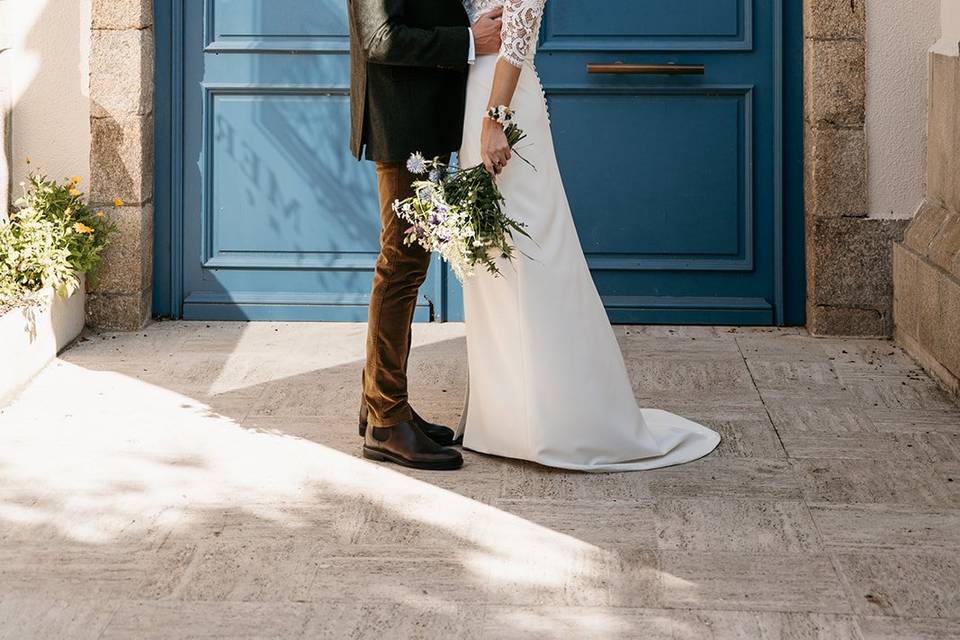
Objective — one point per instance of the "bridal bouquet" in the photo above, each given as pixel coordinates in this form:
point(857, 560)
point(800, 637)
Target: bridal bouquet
point(458, 213)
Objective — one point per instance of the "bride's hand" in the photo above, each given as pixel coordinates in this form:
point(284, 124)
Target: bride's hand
point(494, 147)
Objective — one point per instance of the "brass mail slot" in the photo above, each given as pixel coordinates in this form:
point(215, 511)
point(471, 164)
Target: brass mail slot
point(647, 69)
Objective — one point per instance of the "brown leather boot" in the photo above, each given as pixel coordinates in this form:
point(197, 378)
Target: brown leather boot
point(405, 444)
point(437, 432)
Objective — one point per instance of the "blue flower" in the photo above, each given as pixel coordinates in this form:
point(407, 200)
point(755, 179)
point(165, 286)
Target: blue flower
point(417, 164)
point(435, 175)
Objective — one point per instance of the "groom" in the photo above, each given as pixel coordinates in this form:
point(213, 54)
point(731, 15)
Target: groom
point(408, 77)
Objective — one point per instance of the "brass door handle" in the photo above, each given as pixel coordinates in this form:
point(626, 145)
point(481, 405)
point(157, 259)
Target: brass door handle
point(646, 69)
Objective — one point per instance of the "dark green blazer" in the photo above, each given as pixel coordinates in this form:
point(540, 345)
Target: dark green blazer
point(408, 77)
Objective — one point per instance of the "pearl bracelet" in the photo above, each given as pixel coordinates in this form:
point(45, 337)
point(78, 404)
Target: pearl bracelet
point(502, 114)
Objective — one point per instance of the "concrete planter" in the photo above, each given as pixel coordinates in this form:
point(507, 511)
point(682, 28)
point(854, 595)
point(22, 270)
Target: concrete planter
point(30, 338)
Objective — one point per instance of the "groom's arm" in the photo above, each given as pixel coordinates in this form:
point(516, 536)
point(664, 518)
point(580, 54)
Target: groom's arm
point(387, 40)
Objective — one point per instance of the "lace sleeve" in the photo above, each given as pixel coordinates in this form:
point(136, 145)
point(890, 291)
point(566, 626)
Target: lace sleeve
point(521, 26)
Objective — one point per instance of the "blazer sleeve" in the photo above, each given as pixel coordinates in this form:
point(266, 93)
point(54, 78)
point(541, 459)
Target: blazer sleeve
point(387, 40)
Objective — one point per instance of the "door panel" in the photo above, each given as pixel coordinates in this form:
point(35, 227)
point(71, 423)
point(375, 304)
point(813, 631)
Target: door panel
point(674, 180)
point(280, 222)
point(292, 26)
point(646, 24)
point(678, 208)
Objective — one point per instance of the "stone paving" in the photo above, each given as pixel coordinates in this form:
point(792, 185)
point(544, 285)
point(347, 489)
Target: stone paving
point(202, 480)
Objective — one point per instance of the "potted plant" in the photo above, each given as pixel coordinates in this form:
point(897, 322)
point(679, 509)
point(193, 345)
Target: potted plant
point(50, 247)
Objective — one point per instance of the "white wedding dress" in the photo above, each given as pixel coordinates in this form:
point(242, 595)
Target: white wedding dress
point(547, 381)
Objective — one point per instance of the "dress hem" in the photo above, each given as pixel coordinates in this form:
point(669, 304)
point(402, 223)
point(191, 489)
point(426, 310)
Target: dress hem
point(648, 464)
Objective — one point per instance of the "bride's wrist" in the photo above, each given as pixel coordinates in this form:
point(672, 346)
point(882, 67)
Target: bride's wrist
point(491, 125)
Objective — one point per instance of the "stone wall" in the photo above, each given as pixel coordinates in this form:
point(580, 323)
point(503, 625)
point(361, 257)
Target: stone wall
point(849, 265)
point(121, 157)
point(927, 262)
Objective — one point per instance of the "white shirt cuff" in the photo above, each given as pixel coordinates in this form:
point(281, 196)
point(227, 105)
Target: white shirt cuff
point(472, 54)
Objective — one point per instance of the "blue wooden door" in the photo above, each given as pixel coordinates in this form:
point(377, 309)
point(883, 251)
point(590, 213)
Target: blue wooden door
point(677, 181)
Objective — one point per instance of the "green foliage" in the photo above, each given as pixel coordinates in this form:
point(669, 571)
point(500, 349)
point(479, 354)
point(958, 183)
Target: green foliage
point(50, 239)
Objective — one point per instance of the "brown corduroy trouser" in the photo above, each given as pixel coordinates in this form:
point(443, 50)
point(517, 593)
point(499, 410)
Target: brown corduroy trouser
point(400, 271)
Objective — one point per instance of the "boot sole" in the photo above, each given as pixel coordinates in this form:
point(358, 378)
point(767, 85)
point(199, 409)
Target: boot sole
point(382, 456)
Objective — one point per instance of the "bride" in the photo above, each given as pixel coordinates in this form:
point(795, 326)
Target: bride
point(547, 379)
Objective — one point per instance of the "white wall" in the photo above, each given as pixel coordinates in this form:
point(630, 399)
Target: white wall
point(899, 36)
point(48, 70)
point(949, 43)
point(4, 112)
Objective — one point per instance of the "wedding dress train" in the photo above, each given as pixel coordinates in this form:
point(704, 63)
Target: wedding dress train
point(547, 379)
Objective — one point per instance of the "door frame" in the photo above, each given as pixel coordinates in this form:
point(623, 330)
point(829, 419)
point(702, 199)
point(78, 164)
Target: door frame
point(790, 268)
point(168, 169)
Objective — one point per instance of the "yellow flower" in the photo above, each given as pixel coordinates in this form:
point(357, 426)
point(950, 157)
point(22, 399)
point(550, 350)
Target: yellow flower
point(79, 227)
point(75, 180)
point(117, 202)
point(100, 214)
point(74, 192)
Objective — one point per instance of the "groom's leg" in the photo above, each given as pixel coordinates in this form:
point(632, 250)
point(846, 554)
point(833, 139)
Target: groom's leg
point(400, 271)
